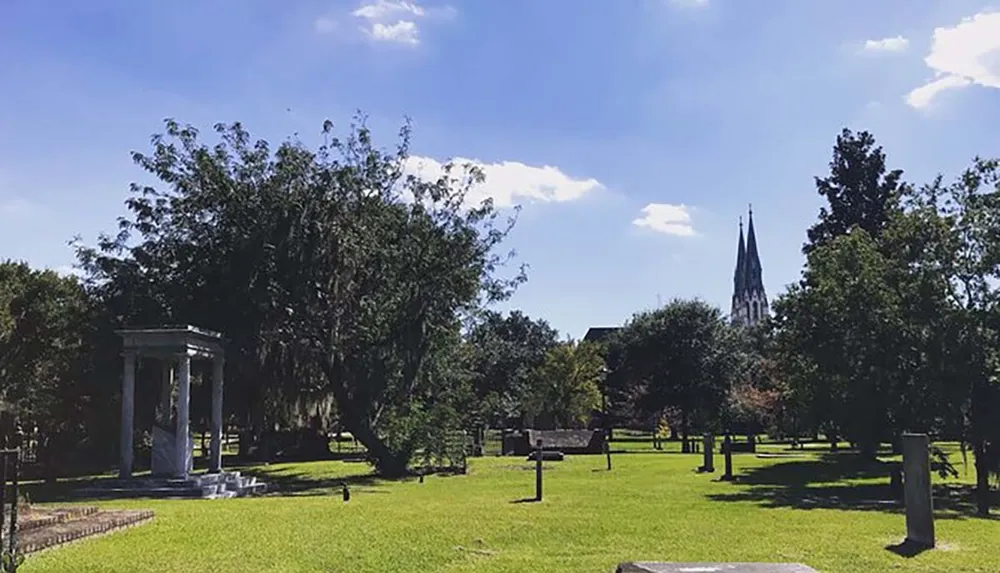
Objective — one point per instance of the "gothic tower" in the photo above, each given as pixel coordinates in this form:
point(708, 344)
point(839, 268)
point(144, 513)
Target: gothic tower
point(749, 298)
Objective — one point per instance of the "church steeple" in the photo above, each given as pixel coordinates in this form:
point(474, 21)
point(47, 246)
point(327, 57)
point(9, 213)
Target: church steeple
point(754, 273)
point(739, 277)
point(749, 298)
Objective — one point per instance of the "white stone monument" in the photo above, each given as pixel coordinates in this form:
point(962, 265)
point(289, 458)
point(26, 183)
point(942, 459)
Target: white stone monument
point(173, 442)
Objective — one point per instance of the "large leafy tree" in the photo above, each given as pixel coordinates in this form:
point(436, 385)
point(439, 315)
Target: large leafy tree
point(567, 391)
point(859, 190)
point(505, 353)
point(857, 317)
point(682, 356)
point(336, 275)
point(967, 258)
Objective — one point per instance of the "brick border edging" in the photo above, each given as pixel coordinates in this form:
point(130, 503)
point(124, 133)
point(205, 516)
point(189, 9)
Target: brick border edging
point(117, 523)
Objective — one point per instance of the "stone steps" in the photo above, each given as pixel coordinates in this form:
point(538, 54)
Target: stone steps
point(222, 485)
point(70, 525)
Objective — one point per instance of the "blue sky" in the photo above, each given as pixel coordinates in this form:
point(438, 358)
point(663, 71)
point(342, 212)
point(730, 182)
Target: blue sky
point(584, 111)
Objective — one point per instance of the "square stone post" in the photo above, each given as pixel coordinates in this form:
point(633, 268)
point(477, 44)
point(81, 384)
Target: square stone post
point(709, 453)
point(215, 449)
point(181, 444)
point(917, 490)
point(128, 416)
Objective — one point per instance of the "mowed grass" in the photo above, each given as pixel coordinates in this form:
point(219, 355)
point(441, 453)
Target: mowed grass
point(816, 509)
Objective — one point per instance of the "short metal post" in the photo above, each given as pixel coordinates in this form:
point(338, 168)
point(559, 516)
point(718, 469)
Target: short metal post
point(538, 470)
point(13, 509)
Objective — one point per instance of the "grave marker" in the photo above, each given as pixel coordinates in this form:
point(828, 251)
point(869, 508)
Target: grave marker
point(917, 490)
point(727, 452)
point(709, 453)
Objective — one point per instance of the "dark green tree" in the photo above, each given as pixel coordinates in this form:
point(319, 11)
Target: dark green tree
point(336, 275)
point(859, 191)
point(682, 356)
point(505, 354)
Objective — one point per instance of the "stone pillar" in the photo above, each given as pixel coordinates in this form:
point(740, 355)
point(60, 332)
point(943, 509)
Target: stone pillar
point(166, 393)
point(215, 449)
point(709, 452)
point(181, 445)
point(128, 416)
point(917, 490)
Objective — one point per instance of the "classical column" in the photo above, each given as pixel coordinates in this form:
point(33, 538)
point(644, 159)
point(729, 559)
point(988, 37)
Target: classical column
point(164, 409)
point(128, 416)
point(215, 449)
point(181, 444)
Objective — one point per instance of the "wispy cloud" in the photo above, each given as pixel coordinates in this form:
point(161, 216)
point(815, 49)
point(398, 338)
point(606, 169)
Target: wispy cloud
point(509, 183)
point(894, 44)
point(666, 218)
point(962, 55)
point(393, 21)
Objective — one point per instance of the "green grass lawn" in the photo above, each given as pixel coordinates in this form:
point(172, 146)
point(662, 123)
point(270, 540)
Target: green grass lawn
point(818, 509)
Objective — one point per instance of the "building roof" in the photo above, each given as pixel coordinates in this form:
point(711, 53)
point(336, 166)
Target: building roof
point(599, 333)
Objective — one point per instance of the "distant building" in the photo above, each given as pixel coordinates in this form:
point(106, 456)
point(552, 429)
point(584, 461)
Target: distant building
point(599, 333)
point(749, 298)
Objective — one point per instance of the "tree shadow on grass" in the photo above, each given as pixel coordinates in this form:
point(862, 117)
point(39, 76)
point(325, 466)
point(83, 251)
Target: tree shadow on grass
point(303, 484)
point(813, 484)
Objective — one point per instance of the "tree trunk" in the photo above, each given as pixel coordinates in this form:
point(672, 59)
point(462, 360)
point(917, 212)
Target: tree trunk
point(982, 479)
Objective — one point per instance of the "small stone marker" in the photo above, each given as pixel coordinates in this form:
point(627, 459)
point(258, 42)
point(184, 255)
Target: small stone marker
point(727, 452)
point(650, 567)
point(538, 470)
point(917, 490)
point(709, 453)
point(607, 451)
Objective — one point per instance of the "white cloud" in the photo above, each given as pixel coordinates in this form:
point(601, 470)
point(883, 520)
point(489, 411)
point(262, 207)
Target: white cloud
point(666, 218)
point(962, 55)
point(895, 44)
point(402, 32)
point(396, 20)
point(380, 10)
point(510, 182)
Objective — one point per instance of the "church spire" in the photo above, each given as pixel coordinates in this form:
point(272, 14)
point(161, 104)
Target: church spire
point(749, 298)
point(739, 275)
point(754, 275)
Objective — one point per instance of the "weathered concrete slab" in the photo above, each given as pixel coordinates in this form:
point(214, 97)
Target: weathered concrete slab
point(653, 567)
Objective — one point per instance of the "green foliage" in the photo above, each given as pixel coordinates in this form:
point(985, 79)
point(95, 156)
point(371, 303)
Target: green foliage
point(894, 326)
point(505, 353)
point(338, 278)
point(567, 388)
point(683, 356)
point(859, 191)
